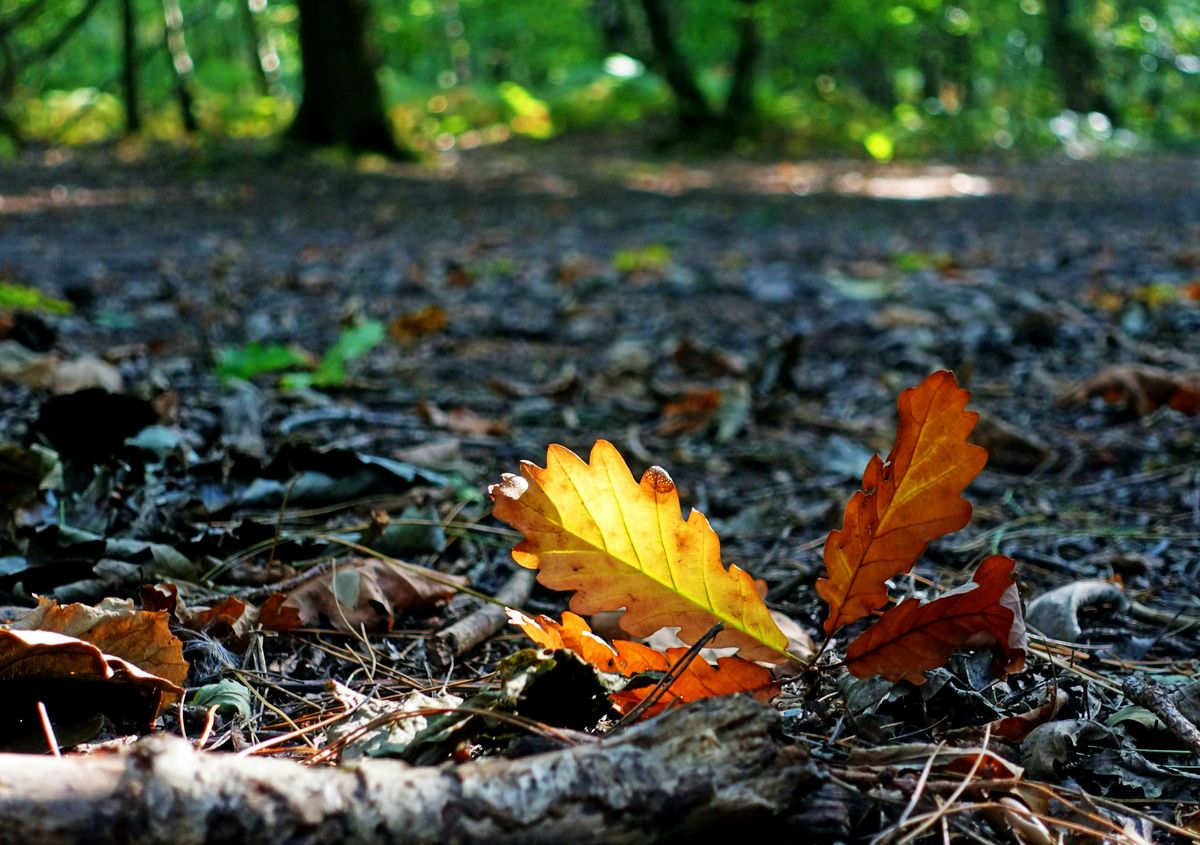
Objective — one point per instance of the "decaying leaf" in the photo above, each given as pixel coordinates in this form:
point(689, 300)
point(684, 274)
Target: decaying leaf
point(699, 680)
point(1056, 613)
point(359, 592)
point(590, 528)
point(116, 628)
point(913, 637)
point(905, 502)
point(1142, 388)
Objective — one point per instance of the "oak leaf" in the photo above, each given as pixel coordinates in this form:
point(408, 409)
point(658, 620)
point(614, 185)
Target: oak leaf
point(75, 680)
point(913, 637)
point(905, 502)
point(115, 627)
point(590, 528)
point(699, 680)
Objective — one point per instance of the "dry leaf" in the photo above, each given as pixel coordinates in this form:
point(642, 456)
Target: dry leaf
point(905, 502)
point(691, 413)
point(699, 680)
point(913, 637)
point(702, 680)
point(117, 628)
point(409, 326)
point(75, 679)
point(358, 592)
point(1142, 388)
point(592, 529)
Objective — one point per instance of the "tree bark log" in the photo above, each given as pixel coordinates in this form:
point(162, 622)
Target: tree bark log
point(714, 766)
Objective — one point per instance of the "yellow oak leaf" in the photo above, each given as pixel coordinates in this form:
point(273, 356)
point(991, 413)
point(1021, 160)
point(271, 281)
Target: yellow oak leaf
point(590, 528)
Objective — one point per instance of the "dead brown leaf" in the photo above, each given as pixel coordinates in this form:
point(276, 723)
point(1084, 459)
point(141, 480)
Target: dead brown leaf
point(362, 592)
point(1142, 388)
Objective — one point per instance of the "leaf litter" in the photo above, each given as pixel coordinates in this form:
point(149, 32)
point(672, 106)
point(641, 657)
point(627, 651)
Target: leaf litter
point(762, 380)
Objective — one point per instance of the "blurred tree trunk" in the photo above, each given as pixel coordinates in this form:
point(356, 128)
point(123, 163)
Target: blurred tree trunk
point(181, 63)
point(129, 65)
point(740, 107)
point(1074, 60)
point(693, 109)
point(342, 102)
point(249, 14)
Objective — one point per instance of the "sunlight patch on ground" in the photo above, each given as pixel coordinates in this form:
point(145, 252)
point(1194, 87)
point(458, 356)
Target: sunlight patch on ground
point(808, 178)
point(62, 196)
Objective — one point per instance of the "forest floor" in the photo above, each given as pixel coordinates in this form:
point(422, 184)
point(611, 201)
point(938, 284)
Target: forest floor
point(747, 325)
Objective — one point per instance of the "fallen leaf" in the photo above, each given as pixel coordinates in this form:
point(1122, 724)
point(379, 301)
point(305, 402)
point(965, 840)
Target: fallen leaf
point(699, 680)
point(1056, 613)
point(702, 680)
point(409, 326)
point(1142, 388)
point(590, 528)
point(461, 421)
point(117, 628)
point(939, 758)
point(905, 502)
point(691, 413)
point(358, 592)
point(913, 637)
point(77, 683)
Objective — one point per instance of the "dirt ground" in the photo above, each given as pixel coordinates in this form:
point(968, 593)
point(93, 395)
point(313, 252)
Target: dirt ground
point(745, 324)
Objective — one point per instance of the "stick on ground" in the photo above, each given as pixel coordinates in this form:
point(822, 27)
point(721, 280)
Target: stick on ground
point(711, 766)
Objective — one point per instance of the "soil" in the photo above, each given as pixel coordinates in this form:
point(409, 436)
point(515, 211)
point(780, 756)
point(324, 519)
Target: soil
point(745, 324)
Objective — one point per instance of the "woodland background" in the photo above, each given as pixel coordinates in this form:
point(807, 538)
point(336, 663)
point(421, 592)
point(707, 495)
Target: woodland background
point(905, 79)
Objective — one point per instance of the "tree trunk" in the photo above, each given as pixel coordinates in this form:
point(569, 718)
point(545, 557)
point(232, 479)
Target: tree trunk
point(129, 86)
point(739, 107)
point(342, 102)
point(181, 63)
point(1073, 58)
point(259, 50)
point(693, 109)
point(710, 769)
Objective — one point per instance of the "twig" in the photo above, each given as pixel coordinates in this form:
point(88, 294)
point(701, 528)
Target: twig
point(672, 675)
point(48, 730)
point(474, 628)
point(1151, 696)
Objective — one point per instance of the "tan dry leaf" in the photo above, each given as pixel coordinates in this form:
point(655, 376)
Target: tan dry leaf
point(46, 660)
point(1141, 388)
point(117, 628)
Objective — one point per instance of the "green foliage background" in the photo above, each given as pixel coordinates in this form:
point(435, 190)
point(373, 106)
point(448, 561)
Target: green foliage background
point(910, 79)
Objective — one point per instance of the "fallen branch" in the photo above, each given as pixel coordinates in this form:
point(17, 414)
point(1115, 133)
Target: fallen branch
point(718, 764)
point(451, 643)
point(1155, 699)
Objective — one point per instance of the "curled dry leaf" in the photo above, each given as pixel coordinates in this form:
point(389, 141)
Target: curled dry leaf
point(699, 680)
point(905, 502)
point(592, 529)
point(358, 592)
point(1056, 614)
point(116, 628)
point(913, 637)
point(75, 678)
